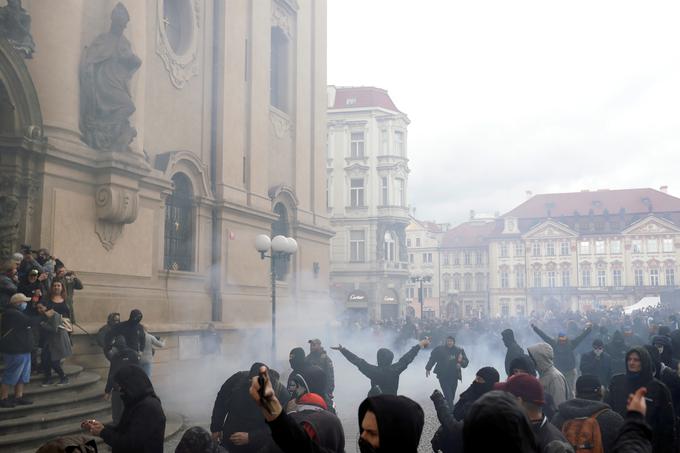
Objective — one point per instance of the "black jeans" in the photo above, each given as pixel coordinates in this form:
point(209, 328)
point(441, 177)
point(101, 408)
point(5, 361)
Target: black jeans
point(48, 364)
point(449, 386)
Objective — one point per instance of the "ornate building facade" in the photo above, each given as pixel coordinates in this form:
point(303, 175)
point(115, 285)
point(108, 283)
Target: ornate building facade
point(464, 275)
point(147, 143)
point(584, 249)
point(556, 252)
point(367, 169)
point(424, 263)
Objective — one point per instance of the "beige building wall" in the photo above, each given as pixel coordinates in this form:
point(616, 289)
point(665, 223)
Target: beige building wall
point(422, 241)
point(203, 109)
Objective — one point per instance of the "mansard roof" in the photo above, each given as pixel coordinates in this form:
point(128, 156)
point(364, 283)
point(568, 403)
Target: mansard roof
point(468, 234)
point(599, 202)
point(362, 97)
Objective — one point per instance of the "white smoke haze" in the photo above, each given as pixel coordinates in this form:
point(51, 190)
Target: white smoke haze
point(190, 387)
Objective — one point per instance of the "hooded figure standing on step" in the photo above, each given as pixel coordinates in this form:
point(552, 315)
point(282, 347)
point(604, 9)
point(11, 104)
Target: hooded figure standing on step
point(142, 426)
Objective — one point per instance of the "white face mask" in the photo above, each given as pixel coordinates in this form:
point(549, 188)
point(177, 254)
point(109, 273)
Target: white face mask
point(598, 352)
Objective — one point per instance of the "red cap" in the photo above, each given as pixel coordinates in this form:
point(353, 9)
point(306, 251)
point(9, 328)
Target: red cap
point(524, 386)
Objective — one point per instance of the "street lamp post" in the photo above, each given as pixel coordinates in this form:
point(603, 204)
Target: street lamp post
point(279, 248)
point(420, 279)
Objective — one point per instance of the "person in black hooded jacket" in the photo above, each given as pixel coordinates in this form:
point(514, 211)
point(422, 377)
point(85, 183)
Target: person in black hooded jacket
point(296, 358)
point(390, 423)
point(617, 351)
point(131, 329)
point(497, 423)
point(514, 350)
point(660, 414)
point(387, 423)
point(484, 381)
point(236, 419)
point(142, 425)
point(664, 347)
point(384, 376)
point(669, 377)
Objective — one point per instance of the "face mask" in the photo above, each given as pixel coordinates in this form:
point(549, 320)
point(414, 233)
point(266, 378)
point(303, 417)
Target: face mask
point(598, 352)
point(22, 306)
point(365, 447)
point(660, 349)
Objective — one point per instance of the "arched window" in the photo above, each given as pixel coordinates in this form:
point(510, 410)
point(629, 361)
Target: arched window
point(281, 227)
point(179, 226)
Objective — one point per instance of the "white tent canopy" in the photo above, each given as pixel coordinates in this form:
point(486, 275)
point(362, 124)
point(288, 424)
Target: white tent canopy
point(645, 302)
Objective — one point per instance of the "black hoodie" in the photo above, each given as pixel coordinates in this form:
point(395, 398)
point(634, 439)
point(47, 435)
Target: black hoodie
point(386, 374)
point(400, 422)
point(142, 425)
point(131, 329)
point(497, 423)
point(660, 413)
point(617, 350)
point(475, 391)
point(235, 411)
point(514, 350)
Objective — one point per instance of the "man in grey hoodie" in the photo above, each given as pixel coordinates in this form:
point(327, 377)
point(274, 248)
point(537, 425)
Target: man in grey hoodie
point(551, 379)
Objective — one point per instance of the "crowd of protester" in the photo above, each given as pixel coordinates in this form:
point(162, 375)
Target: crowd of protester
point(601, 381)
point(36, 305)
point(572, 382)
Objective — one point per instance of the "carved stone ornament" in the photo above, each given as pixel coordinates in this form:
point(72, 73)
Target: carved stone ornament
point(181, 65)
point(282, 18)
point(15, 25)
point(9, 225)
point(280, 123)
point(116, 207)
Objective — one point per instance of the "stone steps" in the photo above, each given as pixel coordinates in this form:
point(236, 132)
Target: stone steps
point(85, 387)
point(30, 441)
point(58, 410)
point(83, 379)
point(33, 421)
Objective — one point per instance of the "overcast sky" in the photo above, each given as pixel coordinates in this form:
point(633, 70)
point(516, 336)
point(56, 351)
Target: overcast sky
point(509, 96)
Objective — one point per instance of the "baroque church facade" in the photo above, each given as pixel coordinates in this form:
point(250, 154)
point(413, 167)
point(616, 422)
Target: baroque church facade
point(147, 143)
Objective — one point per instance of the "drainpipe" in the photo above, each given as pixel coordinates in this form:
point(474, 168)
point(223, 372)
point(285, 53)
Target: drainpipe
point(216, 255)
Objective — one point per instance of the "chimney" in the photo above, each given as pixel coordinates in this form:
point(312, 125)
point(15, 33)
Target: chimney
point(529, 194)
point(664, 189)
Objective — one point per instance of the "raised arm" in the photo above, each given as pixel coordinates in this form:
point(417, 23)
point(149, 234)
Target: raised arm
point(407, 358)
point(544, 336)
point(577, 340)
point(364, 367)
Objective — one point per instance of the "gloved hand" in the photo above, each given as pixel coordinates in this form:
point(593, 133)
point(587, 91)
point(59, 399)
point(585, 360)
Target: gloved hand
point(436, 395)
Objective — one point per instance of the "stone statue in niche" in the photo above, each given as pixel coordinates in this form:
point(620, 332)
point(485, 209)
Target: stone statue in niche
point(106, 68)
point(15, 25)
